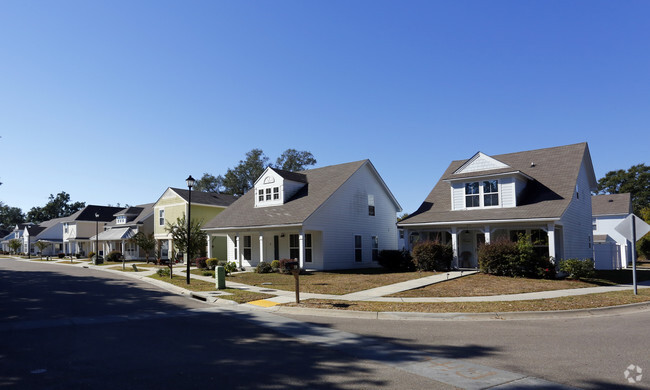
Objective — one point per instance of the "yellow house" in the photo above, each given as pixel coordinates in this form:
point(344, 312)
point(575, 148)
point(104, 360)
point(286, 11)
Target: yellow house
point(174, 203)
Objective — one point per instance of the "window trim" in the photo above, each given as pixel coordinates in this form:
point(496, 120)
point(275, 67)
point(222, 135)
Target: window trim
point(480, 195)
point(358, 250)
point(161, 217)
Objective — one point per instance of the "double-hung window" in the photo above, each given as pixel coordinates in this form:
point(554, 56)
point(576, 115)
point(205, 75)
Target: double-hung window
point(247, 248)
point(472, 197)
point(490, 193)
point(276, 193)
point(161, 217)
point(294, 246)
point(482, 194)
point(375, 248)
point(358, 250)
point(308, 251)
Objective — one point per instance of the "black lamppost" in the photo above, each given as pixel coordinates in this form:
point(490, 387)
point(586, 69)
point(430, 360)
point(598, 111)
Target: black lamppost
point(96, 237)
point(190, 183)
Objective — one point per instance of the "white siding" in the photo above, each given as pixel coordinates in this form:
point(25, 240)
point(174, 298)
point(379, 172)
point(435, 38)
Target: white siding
point(576, 221)
point(458, 196)
point(508, 193)
point(607, 225)
point(345, 214)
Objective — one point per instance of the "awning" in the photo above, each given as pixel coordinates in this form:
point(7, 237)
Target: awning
point(600, 238)
point(115, 234)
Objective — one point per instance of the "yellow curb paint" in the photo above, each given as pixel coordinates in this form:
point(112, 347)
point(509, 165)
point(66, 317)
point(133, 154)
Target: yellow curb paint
point(263, 303)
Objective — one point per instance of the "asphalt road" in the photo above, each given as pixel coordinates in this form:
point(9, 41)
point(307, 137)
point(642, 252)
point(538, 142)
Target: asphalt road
point(75, 328)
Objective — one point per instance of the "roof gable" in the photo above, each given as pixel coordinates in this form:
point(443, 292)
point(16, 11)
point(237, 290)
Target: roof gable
point(480, 162)
point(611, 204)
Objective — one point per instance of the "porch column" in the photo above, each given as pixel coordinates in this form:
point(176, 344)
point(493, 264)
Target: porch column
point(209, 251)
point(486, 232)
point(123, 250)
point(301, 249)
point(454, 246)
point(170, 249)
point(239, 252)
point(551, 242)
point(261, 247)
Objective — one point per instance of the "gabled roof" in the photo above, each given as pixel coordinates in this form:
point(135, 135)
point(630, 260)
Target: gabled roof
point(321, 184)
point(143, 212)
point(34, 230)
point(611, 204)
point(554, 173)
point(88, 214)
point(205, 198)
point(293, 176)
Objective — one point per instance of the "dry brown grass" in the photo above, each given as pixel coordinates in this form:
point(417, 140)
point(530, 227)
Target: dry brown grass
point(565, 303)
point(483, 284)
point(332, 282)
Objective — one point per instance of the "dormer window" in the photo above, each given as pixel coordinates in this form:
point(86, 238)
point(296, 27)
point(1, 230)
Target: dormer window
point(121, 220)
point(482, 194)
point(276, 193)
point(275, 187)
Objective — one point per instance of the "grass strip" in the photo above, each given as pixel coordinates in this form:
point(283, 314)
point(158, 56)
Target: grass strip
point(588, 301)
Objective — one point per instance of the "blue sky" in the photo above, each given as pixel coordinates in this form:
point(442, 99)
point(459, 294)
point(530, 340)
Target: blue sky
point(114, 101)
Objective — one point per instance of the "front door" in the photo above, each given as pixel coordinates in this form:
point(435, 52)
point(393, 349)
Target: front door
point(467, 252)
point(276, 248)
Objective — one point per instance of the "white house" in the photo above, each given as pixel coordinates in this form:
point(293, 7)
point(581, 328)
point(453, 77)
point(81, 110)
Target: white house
point(611, 249)
point(51, 232)
point(127, 223)
point(85, 223)
point(335, 217)
point(545, 193)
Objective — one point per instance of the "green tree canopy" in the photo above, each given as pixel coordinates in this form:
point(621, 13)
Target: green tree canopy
point(58, 206)
point(14, 245)
point(635, 180)
point(10, 216)
point(209, 183)
point(293, 160)
point(146, 242)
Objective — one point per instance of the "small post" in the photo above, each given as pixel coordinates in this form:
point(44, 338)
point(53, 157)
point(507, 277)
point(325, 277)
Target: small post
point(220, 276)
point(296, 273)
point(634, 255)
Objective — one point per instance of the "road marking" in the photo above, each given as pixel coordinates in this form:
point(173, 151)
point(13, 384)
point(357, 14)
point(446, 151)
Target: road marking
point(263, 303)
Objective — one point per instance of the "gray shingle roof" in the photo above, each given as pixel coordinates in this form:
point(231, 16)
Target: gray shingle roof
point(612, 204)
point(321, 183)
point(143, 211)
point(88, 214)
point(555, 172)
point(207, 198)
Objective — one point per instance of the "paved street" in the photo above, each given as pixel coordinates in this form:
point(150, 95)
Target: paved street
point(75, 328)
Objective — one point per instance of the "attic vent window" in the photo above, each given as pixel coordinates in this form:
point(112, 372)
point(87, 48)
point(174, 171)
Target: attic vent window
point(532, 165)
point(269, 180)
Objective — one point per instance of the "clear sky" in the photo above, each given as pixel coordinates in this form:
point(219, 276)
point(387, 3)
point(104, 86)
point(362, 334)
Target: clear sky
point(114, 101)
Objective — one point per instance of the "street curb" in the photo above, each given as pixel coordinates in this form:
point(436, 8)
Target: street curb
point(394, 316)
point(415, 316)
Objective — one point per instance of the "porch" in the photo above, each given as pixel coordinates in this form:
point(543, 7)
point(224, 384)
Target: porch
point(465, 240)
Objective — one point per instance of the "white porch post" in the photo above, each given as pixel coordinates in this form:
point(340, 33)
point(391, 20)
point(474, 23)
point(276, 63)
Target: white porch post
point(454, 246)
point(123, 250)
point(486, 231)
point(261, 247)
point(209, 249)
point(301, 249)
point(551, 242)
point(170, 249)
point(239, 251)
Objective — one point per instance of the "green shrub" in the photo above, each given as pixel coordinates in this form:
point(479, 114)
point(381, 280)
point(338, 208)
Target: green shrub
point(208, 273)
point(200, 262)
point(432, 256)
point(114, 256)
point(643, 247)
point(577, 268)
point(275, 264)
point(91, 254)
point(263, 268)
point(163, 272)
point(211, 263)
point(395, 260)
point(515, 259)
point(61, 255)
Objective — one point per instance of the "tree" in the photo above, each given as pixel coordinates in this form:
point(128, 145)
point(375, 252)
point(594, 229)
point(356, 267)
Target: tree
point(293, 160)
point(636, 181)
point(643, 245)
point(146, 242)
point(241, 178)
point(178, 230)
point(209, 183)
point(56, 207)
point(10, 216)
point(41, 245)
point(402, 217)
point(14, 245)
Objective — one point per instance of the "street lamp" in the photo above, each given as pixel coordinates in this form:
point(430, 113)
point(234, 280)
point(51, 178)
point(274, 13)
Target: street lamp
point(96, 237)
point(190, 183)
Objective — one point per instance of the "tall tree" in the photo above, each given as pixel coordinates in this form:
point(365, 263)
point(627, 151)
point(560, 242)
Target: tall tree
point(635, 180)
point(10, 216)
point(294, 160)
point(209, 183)
point(14, 245)
point(146, 242)
point(241, 178)
point(58, 206)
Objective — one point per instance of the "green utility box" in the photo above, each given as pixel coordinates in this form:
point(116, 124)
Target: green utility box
point(220, 276)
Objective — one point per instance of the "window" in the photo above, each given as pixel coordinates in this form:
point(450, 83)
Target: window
point(490, 193)
point(358, 252)
point(375, 248)
point(482, 194)
point(276, 193)
point(371, 205)
point(294, 246)
point(308, 257)
point(514, 235)
point(247, 247)
point(594, 225)
point(268, 194)
point(121, 219)
point(161, 217)
point(472, 198)
point(65, 227)
point(260, 196)
point(401, 234)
